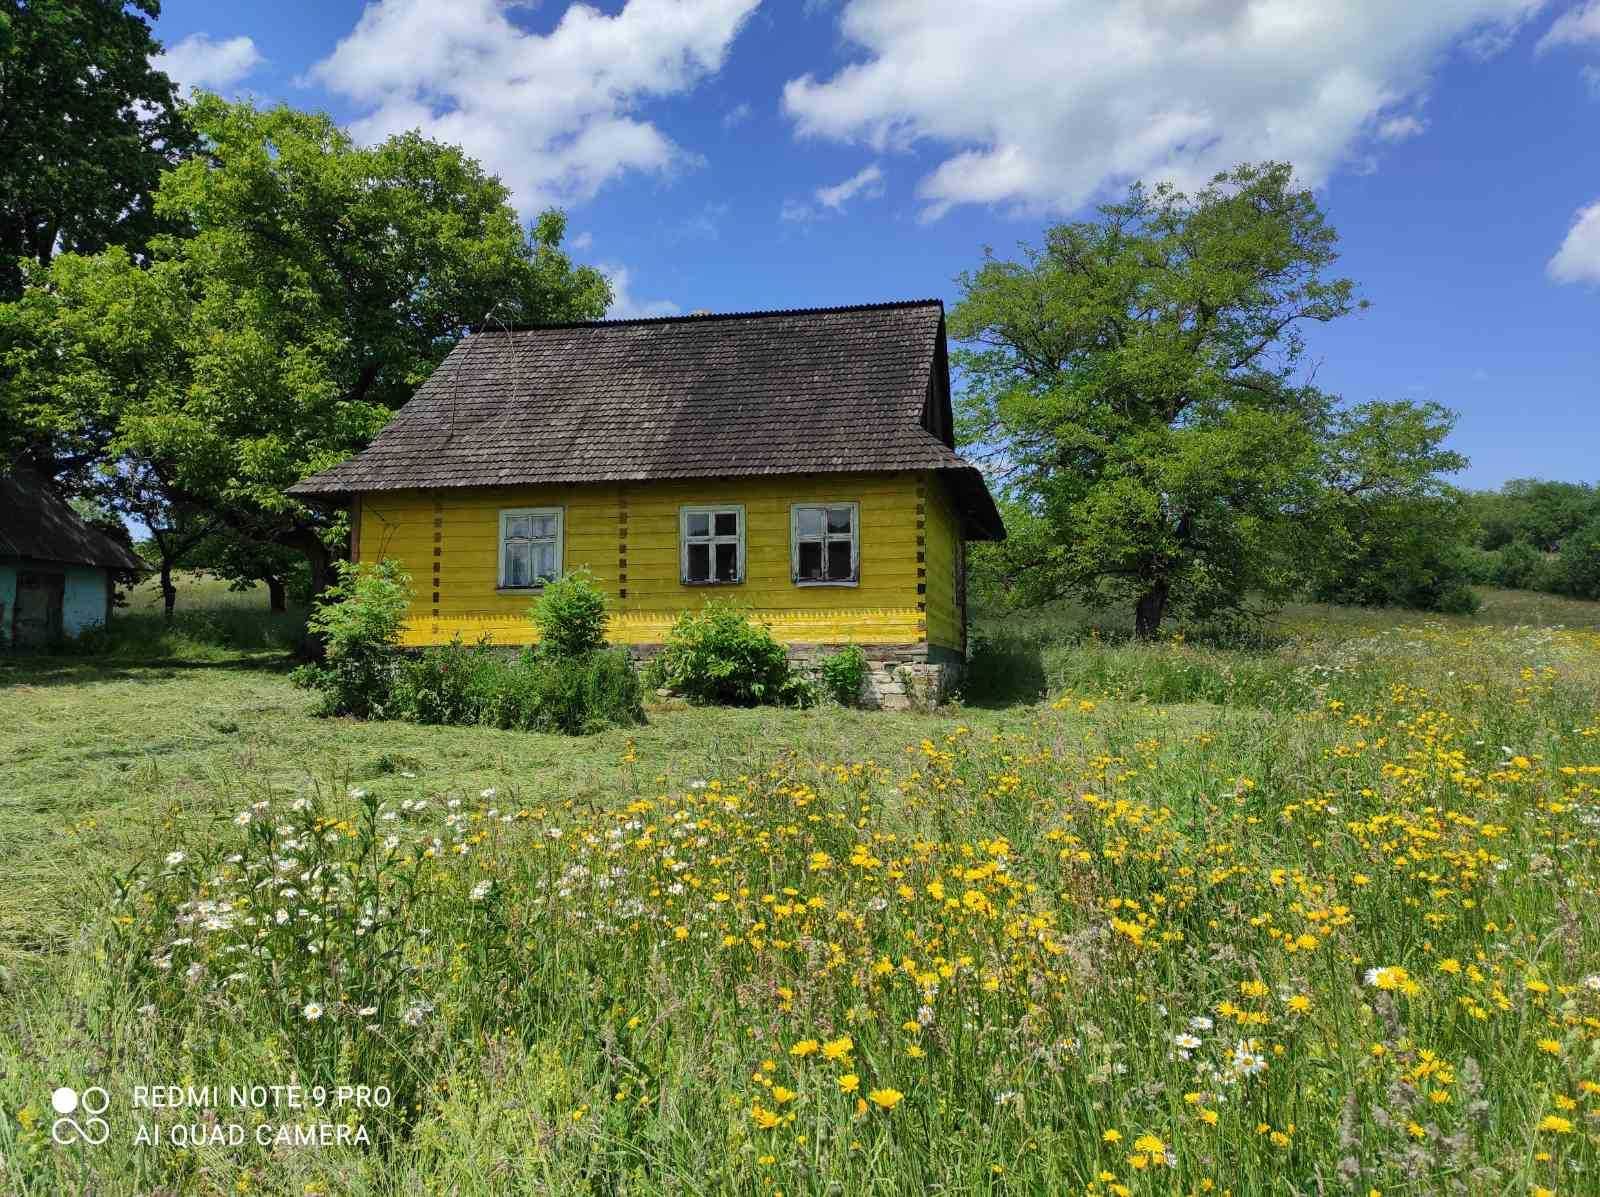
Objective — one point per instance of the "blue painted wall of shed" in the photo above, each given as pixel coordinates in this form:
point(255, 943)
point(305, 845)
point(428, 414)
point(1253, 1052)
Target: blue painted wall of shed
point(83, 597)
point(83, 606)
point(8, 595)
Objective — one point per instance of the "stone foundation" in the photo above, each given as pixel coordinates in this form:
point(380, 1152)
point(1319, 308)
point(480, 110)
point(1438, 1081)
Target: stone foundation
point(900, 677)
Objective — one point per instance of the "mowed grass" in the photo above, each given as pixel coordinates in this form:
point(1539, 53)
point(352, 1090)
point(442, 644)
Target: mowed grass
point(1315, 914)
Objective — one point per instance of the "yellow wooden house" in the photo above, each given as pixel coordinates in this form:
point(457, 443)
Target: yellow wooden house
point(800, 462)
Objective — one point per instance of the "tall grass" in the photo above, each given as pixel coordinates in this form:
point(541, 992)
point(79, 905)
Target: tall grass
point(1346, 940)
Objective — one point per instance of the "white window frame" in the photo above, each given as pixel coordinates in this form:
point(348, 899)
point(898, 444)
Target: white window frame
point(508, 513)
point(855, 543)
point(712, 510)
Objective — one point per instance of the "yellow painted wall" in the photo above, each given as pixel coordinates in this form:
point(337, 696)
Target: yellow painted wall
point(637, 524)
point(942, 552)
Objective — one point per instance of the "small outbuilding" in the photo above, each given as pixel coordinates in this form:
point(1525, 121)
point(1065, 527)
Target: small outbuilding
point(57, 571)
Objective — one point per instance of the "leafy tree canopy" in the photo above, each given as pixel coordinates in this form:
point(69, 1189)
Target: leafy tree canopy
point(1133, 385)
point(87, 125)
point(315, 285)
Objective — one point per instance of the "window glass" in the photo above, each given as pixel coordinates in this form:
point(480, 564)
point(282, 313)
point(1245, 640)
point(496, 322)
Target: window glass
point(825, 545)
point(713, 545)
point(530, 549)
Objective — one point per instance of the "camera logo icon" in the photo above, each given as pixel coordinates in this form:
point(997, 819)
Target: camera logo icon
point(92, 1129)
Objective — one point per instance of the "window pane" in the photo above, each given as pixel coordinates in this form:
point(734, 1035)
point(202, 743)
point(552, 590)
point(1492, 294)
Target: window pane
point(838, 519)
point(838, 560)
point(698, 523)
point(519, 526)
point(544, 559)
point(810, 560)
point(544, 526)
point(809, 520)
point(699, 563)
point(517, 564)
point(727, 523)
point(727, 563)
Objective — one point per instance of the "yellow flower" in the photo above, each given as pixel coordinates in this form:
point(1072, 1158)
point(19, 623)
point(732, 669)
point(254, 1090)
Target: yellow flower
point(1149, 1145)
point(1556, 1123)
point(1112, 1136)
point(806, 1047)
point(764, 1118)
point(1300, 1003)
point(886, 1099)
point(838, 1049)
point(849, 1082)
point(781, 1095)
point(1553, 1046)
point(915, 1052)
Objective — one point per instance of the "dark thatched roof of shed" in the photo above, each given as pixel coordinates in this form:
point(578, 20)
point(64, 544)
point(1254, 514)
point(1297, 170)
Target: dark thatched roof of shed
point(37, 523)
point(806, 391)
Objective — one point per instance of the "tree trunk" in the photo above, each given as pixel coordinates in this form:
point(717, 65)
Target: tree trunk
point(169, 592)
point(1149, 610)
point(277, 597)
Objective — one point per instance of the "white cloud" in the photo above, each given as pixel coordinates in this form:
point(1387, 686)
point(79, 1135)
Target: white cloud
point(582, 241)
point(1045, 104)
point(198, 61)
point(1577, 25)
point(1591, 76)
point(555, 114)
point(737, 115)
point(867, 182)
point(796, 211)
point(1578, 259)
point(624, 305)
point(1399, 128)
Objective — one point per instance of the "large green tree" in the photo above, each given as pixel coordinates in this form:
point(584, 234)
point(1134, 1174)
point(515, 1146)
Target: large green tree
point(315, 284)
point(87, 125)
point(1137, 386)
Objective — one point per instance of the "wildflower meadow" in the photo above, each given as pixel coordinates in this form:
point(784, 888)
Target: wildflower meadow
point(1335, 935)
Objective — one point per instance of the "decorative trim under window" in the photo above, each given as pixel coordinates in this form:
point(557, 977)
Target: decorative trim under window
point(530, 546)
point(825, 540)
point(711, 544)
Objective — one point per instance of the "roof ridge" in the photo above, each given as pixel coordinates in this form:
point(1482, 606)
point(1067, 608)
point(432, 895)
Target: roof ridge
point(688, 317)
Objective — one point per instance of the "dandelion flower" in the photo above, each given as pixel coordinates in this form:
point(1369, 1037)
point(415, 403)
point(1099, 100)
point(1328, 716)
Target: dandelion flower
point(837, 1049)
point(806, 1047)
point(1556, 1123)
point(886, 1099)
point(1112, 1136)
point(849, 1082)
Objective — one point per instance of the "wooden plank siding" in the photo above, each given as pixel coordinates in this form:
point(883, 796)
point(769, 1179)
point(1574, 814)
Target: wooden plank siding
point(628, 535)
point(945, 618)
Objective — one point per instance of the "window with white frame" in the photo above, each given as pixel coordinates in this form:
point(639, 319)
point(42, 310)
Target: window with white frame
point(530, 547)
point(712, 540)
point(827, 543)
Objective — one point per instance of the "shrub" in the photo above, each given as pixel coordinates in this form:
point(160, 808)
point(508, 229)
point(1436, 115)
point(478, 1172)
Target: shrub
point(718, 655)
point(447, 684)
point(1519, 563)
point(360, 619)
point(570, 615)
point(1580, 562)
point(574, 695)
point(844, 673)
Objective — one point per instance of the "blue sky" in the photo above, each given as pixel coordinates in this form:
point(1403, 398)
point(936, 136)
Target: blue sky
point(738, 154)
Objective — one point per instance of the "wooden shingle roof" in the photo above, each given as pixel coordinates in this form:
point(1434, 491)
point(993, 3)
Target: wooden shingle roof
point(816, 390)
point(36, 523)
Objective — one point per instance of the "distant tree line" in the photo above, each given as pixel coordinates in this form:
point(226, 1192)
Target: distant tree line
point(1537, 535)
